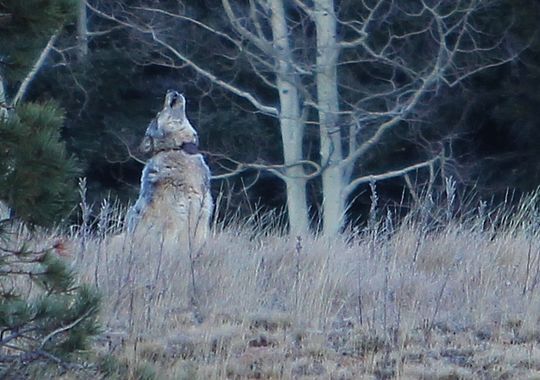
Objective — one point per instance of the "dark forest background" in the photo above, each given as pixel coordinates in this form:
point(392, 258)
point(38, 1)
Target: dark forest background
point(110, 86)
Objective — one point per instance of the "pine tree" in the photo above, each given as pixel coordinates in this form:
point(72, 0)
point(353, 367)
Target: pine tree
point(51, 325)
point(37, 178)
point(45, 316)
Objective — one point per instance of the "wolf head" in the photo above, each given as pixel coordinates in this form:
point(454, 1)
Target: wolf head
point(170, 129)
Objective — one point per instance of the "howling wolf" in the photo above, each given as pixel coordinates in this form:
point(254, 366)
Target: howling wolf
point(174, 201)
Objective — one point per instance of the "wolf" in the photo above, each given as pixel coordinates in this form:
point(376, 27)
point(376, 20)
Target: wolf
point(174, 202)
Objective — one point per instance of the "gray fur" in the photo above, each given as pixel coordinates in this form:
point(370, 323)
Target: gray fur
point(174, 199)
point(145, 195)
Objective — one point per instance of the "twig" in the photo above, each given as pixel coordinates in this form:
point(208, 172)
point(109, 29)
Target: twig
point(278, 169)
point(528, 270)
point(438, 302)
point(26, 82)
point(298, 250)
point(65, 328)
point(16, 335)
point(387, 175)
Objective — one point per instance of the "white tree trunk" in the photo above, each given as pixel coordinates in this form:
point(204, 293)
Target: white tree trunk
point(82, 31)
point(3, 100)
point(333, 181)
point(291, 124)
point(4, 209)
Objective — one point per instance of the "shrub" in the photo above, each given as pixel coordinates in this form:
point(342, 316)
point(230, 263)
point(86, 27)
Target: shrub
point(44, 315)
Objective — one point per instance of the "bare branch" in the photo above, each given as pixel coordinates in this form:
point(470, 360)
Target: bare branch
point(65, 328)
point(105, 31)
point(411, 189)
point(128, 149)
point(407, 97)
point(237, 43)
point(362, 32)
point(460, 78)
point(277, 170)
point(16, 334)
point(192, 20)
point(150, 31)
point(363, 148)
point(302, 5)
point(387, 175)
point(235, 90)
point(258, 41)
point(35, 68)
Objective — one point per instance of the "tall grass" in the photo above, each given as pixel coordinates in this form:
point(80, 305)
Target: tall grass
point(432, 295)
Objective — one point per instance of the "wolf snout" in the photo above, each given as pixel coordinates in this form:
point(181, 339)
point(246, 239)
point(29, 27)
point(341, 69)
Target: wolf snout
point(174, 98)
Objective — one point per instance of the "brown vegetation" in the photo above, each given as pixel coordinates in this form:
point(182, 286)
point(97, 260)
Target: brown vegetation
point(452, 301)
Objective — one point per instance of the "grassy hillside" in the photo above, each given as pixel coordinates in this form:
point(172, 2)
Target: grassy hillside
point(430, 298)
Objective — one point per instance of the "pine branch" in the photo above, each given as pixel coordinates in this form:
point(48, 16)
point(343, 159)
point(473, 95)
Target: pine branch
point(31, 356)
point(16, 334)
point(67, 327)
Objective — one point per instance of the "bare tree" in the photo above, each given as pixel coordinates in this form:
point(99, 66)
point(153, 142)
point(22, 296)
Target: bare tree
point(353, 70)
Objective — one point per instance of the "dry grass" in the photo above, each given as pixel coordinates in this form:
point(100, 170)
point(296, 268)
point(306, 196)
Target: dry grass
point(411, 302)
point(418, 300)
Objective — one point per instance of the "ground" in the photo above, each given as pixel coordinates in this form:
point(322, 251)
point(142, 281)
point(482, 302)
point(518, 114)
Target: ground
point(450, 300)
